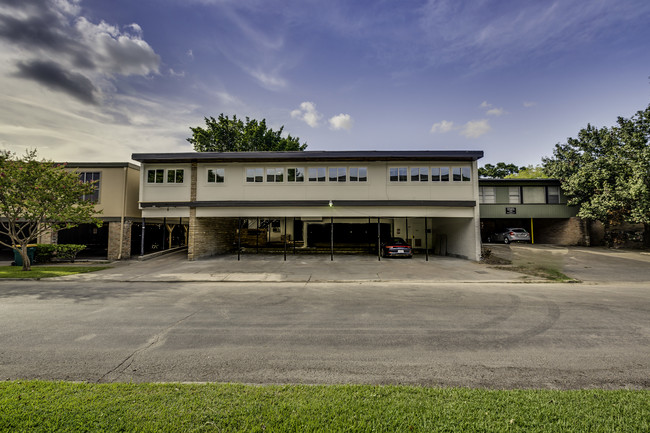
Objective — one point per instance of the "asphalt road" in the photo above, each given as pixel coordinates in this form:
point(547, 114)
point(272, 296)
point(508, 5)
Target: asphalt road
point(558, 336)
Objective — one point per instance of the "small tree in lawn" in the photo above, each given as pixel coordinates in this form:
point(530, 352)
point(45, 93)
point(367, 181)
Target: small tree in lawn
point(39, 196)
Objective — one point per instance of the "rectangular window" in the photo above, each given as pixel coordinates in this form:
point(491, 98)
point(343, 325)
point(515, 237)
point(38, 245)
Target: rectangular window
point(456, 174)
point(444, 174)
point(552, 194)
point(514, 195)
point(317, 174)
point(275, 174)
point(358, 174)
point(88, 177)
point(487, 194)
point(398, 174)
point(254, 175)
point(435, 174)
point(419, 174)
point(156, 176)
point(295, 174)
point(175, 175)
point(466, 174)
point(337, 174)
point(216, 175)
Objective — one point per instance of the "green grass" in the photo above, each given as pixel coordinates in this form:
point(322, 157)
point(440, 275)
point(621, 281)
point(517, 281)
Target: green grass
point(60, 406)
point(46, 271)
point(548, 273)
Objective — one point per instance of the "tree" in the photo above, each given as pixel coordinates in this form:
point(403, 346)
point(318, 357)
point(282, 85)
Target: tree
point(234, 135)
point(498, 171)
point(37, 197)
point(606, 171)
point(529, 172)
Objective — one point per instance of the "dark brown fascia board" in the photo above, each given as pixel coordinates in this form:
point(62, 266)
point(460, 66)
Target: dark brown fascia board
point(312, 203)
point(518, 182)
point(100, 165)
point(309, 156)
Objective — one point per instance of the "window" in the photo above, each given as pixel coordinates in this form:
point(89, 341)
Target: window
point(175, 175)
point(552, 194)
point(295, 174)
point(514, 195)
point(317, 174)
point(444, 174)
point(435, 174)
point(216, 175)
point(358, 174)
point(88, 177)
point(456, 174)
point(254, 175)
point(398, 174)
point(486, 194)
point(275, 174)
point(465, 173)
point(156, 176)
point(419, 174)
point(337, 174)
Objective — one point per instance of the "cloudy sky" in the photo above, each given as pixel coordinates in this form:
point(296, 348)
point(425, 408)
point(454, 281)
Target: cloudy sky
point(97, 80)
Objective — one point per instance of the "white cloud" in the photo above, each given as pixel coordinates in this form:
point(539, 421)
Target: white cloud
point(308, 114)
point(442, 127)
point(475, 128)
point(485, 104)
point(341, 121)
point(529, 104)
point(495, 111)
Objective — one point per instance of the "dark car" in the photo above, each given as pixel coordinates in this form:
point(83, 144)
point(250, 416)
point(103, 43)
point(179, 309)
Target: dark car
point(396, 247)
point(510, 235)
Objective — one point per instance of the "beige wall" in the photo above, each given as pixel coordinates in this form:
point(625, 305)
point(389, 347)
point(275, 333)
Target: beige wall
point(235, 186)
point(111, 190)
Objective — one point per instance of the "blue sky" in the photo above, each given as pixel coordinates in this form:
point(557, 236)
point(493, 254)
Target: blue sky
point(97, 80)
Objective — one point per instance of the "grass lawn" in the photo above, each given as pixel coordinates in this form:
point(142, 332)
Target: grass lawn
point(46, 271)
point(61, 406)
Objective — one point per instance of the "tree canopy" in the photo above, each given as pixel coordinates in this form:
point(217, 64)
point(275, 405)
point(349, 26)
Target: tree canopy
point(37, 197)
point(234, 135)
point(606, 171)
point(529, 172)
point(499, 171)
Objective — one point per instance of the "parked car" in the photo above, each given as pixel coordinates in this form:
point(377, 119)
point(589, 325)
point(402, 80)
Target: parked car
point(396, 247)
point(510, 235)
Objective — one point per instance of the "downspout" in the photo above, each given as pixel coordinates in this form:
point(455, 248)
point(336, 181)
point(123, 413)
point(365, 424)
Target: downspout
point(126, 173)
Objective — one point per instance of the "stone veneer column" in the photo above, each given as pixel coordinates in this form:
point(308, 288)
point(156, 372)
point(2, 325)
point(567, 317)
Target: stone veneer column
point(114, 240)
point(191, 239)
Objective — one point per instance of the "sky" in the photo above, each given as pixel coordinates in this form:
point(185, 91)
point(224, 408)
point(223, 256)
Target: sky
point(98, 80)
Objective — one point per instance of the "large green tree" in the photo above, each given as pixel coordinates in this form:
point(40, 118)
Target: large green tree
point(234, 135)
point(606, 171)
point(37, 197)
point(499, 171)
point(529, 172)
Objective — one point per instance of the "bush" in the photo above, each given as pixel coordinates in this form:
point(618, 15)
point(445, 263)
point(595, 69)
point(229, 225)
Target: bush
point(47, 252)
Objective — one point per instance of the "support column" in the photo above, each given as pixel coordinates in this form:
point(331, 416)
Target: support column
point(426, 239)
point(285, 239)
point(238, 238)
point(332, 239)
point(379, 239)
point(142, 237)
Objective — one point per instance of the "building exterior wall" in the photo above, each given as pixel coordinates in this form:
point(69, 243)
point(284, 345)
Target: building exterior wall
point(209, 205)
point(114, 235)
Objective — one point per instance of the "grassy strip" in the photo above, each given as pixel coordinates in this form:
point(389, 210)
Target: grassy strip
point(547, 273)
point(46, 271)
point(60, 406)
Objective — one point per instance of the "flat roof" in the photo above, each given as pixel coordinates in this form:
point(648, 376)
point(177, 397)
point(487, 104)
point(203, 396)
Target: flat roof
point(354, 155)
point(515, 181)
point(100, 165)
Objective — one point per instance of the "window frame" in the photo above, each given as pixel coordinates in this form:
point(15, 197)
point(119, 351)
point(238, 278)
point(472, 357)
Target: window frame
point(93, 197)
point(175, 176)
point(258, 173)
point(156, 172)
point(358, 177)
point(318, 178)
point(482, 196)
point(296, 172)
point(216, 171)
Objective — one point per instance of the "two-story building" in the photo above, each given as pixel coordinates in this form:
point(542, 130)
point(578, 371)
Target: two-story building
point(538, 205)
point(428, 197)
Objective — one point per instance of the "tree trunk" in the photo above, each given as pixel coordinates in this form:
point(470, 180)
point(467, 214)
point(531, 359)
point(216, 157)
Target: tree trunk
point(27, 266)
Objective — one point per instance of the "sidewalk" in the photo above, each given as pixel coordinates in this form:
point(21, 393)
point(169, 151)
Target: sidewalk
point(299, 268)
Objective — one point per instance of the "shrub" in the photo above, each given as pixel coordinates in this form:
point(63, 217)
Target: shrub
point(46, 252)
